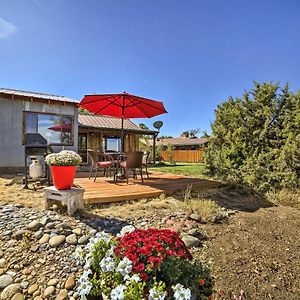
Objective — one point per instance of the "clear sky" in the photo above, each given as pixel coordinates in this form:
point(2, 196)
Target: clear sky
point(190, 54)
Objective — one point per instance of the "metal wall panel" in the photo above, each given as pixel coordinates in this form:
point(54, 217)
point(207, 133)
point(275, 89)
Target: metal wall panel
point(11, 128)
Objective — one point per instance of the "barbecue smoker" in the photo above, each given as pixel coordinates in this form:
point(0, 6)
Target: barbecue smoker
point(36, 145)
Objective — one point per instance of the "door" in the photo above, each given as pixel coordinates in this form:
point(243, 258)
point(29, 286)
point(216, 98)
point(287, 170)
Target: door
point(82, 146)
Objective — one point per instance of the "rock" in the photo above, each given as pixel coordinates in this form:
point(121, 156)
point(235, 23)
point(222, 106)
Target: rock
point(18, 235)
point(24, 284)
point(44, 239)
point(26, 271)
point(53, 282)
point(2, 262)
point(77, 231)
point(49, 291)
point(38, 234)
point(45, 220)
point(10, 291)
point(32, 288)
point(70, 283)
point(219, 218)
point(193, 232)
point(18, 296)
point(62, 295)
point(5, 280)
point(195, 217)
point(1, 253)
point(191, 241)
point(34, 225)
point(83, 240)
point(57, 240)
point(71, 239)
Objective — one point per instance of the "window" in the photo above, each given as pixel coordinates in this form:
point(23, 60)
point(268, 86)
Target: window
point(56, 129)
point(112, 143)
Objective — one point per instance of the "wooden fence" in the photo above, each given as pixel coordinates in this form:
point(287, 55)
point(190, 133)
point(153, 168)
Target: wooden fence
point(184, 155)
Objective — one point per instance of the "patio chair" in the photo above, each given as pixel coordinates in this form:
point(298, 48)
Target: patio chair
point(100, 161)
point(145, 162)
point(134, 160)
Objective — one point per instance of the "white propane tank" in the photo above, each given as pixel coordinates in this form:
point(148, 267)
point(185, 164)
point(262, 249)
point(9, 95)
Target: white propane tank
point(35, 169)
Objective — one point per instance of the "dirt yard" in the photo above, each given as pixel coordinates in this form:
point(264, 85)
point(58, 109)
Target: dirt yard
point(257, 249)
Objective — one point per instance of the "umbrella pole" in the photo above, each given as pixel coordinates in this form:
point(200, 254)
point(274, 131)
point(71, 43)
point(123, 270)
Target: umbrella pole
point(122, 126)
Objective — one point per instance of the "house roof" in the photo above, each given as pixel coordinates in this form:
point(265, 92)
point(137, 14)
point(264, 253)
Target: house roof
point(180, 141)
point(33, 95)
point(109, 123)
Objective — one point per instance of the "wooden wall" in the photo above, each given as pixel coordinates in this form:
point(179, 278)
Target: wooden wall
point(95, 139)
point(184, 155)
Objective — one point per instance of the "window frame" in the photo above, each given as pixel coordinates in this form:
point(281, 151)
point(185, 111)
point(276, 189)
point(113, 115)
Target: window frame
point(50, 114)
point(105, 137)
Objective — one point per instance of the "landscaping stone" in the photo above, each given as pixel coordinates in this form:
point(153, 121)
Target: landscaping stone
point(72, 239)
point(57, 240)
point(2, 262)
point(10, 291)
point(70, 283)
point(49, 291)
point(191, 241)
point(18, 296)
point(44, 239)
point(5, 280)
point(195, 217)
point(34, 225)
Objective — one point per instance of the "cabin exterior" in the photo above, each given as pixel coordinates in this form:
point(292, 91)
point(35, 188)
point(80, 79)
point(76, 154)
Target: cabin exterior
point(56, 118)
point(24, 112)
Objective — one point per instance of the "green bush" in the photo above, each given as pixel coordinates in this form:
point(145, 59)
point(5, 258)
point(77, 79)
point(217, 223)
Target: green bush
point(256, 139)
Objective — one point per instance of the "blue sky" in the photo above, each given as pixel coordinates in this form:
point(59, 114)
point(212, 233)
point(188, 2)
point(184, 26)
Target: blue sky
point(190, 54)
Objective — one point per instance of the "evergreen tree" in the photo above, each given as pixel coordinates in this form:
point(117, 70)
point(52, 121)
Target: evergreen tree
point(256, 139)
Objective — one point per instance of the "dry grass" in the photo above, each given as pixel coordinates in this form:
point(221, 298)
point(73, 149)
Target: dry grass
point(12, 192)
point(206, 208)
point(285, 197)
point(136, 208)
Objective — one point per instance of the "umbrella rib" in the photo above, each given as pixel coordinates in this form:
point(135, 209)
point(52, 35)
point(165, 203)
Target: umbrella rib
point(162, 110)
point(110, 103)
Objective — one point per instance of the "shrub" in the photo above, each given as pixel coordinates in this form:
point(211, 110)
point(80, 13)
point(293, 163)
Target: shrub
point(256, 139)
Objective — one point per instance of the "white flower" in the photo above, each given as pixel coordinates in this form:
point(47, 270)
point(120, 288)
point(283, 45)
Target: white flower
point(107, 264)
point(110, 252)
point(103, 236)
point(126, 229)
point(180, 293)
point(156, 295)
point(118, 292)
point(125, 266)
point(84, 287)
point(134, 278)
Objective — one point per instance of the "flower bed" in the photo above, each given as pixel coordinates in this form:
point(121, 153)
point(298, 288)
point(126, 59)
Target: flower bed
point(142, 264)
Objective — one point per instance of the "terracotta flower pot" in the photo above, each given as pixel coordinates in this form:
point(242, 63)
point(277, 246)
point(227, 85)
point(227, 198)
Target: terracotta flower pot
point(63, 176)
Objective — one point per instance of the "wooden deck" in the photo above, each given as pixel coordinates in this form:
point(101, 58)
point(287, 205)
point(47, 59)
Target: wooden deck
point(106, 190)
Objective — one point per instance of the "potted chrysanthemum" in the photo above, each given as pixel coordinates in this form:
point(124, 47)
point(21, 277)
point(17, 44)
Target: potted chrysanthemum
point(63, 168)
point(139, 264)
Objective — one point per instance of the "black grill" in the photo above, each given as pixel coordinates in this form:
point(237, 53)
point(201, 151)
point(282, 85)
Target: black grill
point(36, 145)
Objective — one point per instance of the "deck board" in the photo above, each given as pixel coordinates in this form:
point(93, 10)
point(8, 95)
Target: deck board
point(106, 190)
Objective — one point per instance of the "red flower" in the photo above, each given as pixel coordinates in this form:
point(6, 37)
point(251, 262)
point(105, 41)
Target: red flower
point(201, 281)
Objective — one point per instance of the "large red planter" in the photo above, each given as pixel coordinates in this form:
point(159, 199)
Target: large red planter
point(63, 176)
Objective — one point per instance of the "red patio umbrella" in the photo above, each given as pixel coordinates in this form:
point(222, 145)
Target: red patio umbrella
point(122, 105)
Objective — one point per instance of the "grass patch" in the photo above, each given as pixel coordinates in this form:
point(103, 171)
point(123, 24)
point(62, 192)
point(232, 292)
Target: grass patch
point(285, 197)
point(186, 169)
point(206, 208)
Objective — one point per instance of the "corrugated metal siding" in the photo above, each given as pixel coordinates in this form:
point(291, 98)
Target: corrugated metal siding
point(106, 122)
point(11, 128)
